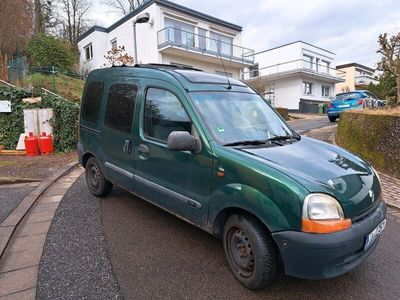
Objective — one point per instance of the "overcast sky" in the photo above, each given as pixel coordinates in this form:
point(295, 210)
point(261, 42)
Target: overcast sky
point(349, 28)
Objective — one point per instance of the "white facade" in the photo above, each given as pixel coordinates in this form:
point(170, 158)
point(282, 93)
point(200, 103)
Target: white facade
point(174, 34)
point(295, 73)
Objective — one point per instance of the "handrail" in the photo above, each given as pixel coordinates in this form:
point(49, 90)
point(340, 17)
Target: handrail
point(339, 73)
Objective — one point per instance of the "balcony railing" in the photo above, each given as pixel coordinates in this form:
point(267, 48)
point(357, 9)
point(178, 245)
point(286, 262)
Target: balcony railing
point(365, 80)
point(170, 36)
point(298, 65)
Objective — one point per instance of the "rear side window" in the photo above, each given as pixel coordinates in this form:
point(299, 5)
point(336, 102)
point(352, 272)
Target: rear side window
point(163, 113)
point(120, 106)
point(92, 102)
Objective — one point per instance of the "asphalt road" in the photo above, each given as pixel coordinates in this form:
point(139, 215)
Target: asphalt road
point(10, 196)
point(157, 256)
point(304, 125)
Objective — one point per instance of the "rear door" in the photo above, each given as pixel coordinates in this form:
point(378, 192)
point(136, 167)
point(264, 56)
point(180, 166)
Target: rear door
point(177, 180)
point(117, 131)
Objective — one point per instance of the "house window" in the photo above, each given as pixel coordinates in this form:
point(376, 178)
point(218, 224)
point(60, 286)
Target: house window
point(202, 39)
point(221, 44)
point(325, 66)
point(308, 61)
point(179, 33)
point(326, 91)
point(88, 51)
point(307, 88)
point(254, 70)
point(114, 44)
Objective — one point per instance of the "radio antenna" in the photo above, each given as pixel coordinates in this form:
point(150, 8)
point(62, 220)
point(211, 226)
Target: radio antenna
point(223, 65)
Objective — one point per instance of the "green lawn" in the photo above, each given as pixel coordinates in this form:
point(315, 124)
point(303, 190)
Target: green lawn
point(69, 87)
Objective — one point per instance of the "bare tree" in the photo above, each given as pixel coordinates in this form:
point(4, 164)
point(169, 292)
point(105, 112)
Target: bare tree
point(125, 6)
point(389, 48)
point(16, 26)
point(74, 15)
point(46, 16)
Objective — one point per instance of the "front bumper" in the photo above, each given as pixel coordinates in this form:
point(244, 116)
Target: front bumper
point(318, 256)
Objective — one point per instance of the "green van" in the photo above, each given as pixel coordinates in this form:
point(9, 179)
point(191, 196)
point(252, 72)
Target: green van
point(214, 153)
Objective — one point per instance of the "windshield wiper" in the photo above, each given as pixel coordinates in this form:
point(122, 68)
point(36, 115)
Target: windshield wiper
point(246, 142)
point(283, 138)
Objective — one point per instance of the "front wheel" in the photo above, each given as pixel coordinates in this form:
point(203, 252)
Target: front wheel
point(95, 180)
point(332, 119)
point(250, 251)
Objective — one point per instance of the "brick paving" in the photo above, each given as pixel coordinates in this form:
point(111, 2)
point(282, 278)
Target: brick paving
point(390, 185)
point(20, 259)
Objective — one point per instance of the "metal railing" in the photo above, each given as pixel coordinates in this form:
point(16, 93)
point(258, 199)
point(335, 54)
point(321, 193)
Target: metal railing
point(365, 80)
point(170, 36)
point(294, 66)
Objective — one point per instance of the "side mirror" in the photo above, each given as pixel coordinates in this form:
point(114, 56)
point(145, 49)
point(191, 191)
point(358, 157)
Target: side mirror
point(183, 141)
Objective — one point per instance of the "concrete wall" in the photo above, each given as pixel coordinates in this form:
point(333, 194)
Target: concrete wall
point(349, 82)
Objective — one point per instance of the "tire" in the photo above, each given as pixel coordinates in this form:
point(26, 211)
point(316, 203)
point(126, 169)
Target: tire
point(98, 185)
point(332, 119)
point(250, 251)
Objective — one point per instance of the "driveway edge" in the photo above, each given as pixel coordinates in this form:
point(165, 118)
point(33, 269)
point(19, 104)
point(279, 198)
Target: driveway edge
point(8, 226)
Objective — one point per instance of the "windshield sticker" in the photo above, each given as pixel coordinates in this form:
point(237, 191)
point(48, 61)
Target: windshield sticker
point(220, 129)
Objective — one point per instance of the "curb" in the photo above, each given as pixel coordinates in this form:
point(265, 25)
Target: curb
point(8, 226)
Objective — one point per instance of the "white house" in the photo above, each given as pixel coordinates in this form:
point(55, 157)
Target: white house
point(173, 34)
point(298, 76)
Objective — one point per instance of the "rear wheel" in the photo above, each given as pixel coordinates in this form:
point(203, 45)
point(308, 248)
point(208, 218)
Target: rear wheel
point(332, 119)
point(95, 180)
point(250, 251)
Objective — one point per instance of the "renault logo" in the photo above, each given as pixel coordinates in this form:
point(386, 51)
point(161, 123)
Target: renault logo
point(371, 195)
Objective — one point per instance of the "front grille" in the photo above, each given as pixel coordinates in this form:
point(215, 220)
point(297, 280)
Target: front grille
point(365, 214)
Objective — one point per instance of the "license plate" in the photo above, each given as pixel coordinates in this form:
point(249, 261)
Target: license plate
point(344, 105)
point(370, 238)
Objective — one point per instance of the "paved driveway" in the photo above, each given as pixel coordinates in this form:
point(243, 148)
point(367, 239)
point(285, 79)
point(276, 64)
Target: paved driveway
point(157, 256)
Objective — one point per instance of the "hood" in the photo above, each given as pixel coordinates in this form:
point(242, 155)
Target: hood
point(322, 167)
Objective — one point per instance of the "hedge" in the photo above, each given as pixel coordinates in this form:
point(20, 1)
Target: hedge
point(65, 121)
point(374, 135)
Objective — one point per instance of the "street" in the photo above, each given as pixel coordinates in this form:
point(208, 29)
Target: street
point(304, 125)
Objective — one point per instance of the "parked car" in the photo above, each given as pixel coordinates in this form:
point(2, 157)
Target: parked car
point(217, 155)
point(357, 99)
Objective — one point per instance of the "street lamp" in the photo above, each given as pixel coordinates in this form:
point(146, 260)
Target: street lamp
point(141, 18)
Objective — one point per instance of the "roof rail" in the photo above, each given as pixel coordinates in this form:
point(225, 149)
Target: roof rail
point(166, 66)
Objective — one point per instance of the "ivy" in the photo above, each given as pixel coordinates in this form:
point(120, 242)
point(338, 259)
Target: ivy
point(64, 121)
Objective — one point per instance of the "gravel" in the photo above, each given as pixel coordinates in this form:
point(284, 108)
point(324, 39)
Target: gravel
point(75, 264)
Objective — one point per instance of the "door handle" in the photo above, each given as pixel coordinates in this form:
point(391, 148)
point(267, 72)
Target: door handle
point(143, 149)
point(127, 147)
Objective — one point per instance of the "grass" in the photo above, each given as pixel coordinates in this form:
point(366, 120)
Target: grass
point(69, 87)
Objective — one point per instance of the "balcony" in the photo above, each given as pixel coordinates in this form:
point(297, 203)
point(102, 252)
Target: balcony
point(365, 80)
point(298, 66)
point(184, 43)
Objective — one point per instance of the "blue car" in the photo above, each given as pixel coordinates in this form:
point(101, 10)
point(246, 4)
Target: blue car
point(357, 99)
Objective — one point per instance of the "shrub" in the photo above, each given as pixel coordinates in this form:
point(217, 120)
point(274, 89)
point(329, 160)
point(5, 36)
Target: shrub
point(283, 112)
point(374, 135)
point(65, 121)
point(46, 51)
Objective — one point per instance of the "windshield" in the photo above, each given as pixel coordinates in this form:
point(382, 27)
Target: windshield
point(233, 117)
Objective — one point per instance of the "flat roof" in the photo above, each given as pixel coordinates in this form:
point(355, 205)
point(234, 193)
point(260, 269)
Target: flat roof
point(299, 41)
point(164, 3)
point(355, 65)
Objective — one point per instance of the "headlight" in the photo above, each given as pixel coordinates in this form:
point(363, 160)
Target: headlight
point(323, 214)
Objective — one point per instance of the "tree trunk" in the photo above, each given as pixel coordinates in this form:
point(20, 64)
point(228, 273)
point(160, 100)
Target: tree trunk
point(397, 103)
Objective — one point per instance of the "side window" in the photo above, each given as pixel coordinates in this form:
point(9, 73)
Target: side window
point(163, 113)
point(92, 102)
point(120, 106)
